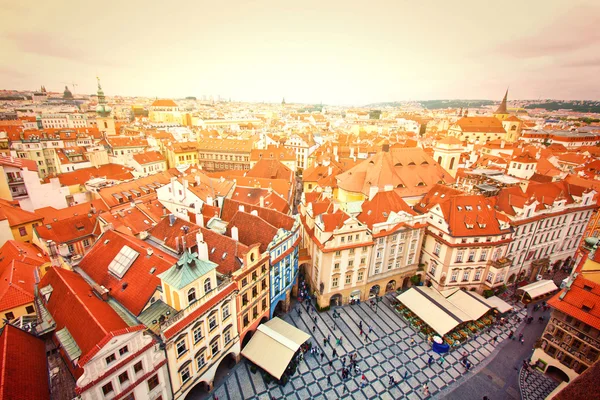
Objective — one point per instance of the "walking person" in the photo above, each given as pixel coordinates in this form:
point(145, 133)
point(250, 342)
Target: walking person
point(314, 328)
point(426, 390)
point(334, 353)
point(329, 379)
point(430, 361)
point(360, 325)
point(322, 356)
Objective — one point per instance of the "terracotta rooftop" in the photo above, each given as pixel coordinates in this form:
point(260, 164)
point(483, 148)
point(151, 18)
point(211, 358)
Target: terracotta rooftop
point(148, 157)
point(164, 103)
point(109, 171)
point(581, 301)
point(17, 285)
point(378, 209)
point(15, 215)
point(18, 163)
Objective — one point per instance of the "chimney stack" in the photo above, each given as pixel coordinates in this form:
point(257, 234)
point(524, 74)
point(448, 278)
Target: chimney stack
point(209, 200)
point(235, 234)
point(171, 219)
point(262, 201)
point(241, 208)
point(386, 148)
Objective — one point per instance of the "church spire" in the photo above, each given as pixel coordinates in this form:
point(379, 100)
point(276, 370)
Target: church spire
point(102, 109)
point(503, 109)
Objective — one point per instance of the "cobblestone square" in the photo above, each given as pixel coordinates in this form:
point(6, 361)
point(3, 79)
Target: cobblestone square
point(388, 350)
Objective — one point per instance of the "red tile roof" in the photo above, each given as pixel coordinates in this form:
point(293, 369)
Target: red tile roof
point(21, 163)
point(126, 141)
point(140, 282)
point(108, 171)
point(378, 209)
point(545, 194)
point(252, 230)
point(273, 152)
point(583, 386)
point(67, 230)
point(15, 215)
point(272, 169)
point(23, 366)
point(273, 217)
point(252, 196)
point(21, 251)
point(410, 171)
point(73, 305)
point(148, 157)
point(582, 294)
point(130, 221)
point(17, 285)
point(51, 214)
point(481, 124)
point(106, 194)
point(164, 103)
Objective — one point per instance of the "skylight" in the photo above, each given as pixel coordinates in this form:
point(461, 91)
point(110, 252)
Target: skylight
point(122, 261)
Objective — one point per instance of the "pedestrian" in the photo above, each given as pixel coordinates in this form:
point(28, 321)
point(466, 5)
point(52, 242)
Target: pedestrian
point(330, 364)
point(406, 375)
point(344, 361)
point(329, 379)
point(412, 341)
point(314, 328)
point(522, 341)
point(334, 353)
point(511, 334)
point(324, 342)
point(370, 329)
point(430, 361)
point(464, 355)
point(520, 336)
point(328, 337)
point(426, 390)
point(341, 339)
point(322, 356)
point(360, 325)
point(494, 339)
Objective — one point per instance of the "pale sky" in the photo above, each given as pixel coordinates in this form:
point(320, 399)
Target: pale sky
point(337, 52)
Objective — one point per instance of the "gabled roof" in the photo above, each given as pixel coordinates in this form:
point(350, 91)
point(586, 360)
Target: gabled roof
point(252, 229)
point(164, 103)
point(186, 270)
point(17, 285)
point(272, 169)
point(109, 171)
point(252, 196)
point(67, 230)
point(139, 281)
point(52, 214)
point(273, 217)
point(18, 163)
point(378, 209)
point(438, 194)
point(148, 157)
point(73, 305)
point(156, 180)
point(16, 215)
point(510, 199)
point(23, 366)
point(481, 124)
point(581, 301)
point(21, 251)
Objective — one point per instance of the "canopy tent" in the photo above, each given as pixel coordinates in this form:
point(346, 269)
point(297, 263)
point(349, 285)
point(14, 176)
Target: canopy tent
point(539, 288)
point(273, 346)
point(433, 308)
point(471, 305)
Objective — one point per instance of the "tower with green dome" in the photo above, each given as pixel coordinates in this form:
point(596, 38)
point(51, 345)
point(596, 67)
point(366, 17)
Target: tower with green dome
point(104, 121)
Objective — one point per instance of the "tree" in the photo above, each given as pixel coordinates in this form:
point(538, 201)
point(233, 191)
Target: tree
point(374, 114)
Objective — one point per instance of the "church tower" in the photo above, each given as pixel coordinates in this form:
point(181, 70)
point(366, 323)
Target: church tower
point(502, 111)
point(104, 121)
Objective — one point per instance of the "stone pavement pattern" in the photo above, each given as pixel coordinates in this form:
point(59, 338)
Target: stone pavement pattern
point(535, 385)
point(388, 350)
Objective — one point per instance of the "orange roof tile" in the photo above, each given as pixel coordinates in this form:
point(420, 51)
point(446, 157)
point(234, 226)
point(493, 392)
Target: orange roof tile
point(148, 157)
point(109, 171)
point(581, 301)
point(15, 215)
point(17, 285)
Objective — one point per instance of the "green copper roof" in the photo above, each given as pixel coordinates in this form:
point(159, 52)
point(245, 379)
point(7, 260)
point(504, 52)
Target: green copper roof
point(188, 269)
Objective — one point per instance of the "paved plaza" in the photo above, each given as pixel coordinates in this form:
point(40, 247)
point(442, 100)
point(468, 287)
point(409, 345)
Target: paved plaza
point(535, 385)
point(389, 350)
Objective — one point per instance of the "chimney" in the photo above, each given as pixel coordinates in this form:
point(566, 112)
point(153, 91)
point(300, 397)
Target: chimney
point(262, 201)
point(335, 150)
point(209, 200)
point(202, 250)
point(386, 148)
point(254, 212)
point(185, 187)
point(149, 251)
point(241, 208)
point(373, 191)
point(173, 180)
point(329, 170)
point(171, 219)
point(502, 144)
point(235, 234)
point(351, 151)
point(177, 244)
point(197, 179)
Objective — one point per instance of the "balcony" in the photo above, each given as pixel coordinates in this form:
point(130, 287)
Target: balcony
point(501, 263)
point(15, 180)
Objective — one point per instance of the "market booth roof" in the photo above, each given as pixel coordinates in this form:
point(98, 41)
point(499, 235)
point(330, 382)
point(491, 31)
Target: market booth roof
point(539, 288)
point(433, 308)
point(273, 346)
point(497, 303)
point(471, 305)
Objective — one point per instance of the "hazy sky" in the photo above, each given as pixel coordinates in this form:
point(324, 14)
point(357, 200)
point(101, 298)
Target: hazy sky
point(337, 52)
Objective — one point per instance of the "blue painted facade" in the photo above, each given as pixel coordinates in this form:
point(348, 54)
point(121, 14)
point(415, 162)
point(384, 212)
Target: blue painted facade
point(283, 252)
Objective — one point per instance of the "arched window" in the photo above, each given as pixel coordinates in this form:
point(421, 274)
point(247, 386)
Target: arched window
point(207, 286)
point(451, 163)
point(513, 128)
point(191, 295)
point(440, 160)
point(105, 125)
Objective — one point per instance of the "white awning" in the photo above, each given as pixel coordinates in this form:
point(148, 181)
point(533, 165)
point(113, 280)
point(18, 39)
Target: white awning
point(494, 302)
point(433, 308)
point(539, 288)
point(471, 305)
point(273, 346)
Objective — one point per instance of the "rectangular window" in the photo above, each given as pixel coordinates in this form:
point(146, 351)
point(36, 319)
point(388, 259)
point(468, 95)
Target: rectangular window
point(184, 374)
point(334, 282)
point(124, 377)
point(454, 276)
point(107, 389)
point(483, 255)
point(471, 255)
point(197, 334)
point(360, 276)
point(110, 359)
point(226, 312)
point(336, 266)
point(212, 323)
point(86, 243)
point(214, 347)
point(437, 248)
point(477, 275)
point(490, 277)
point(181, 348)
point(153, 382)
point(363, 260)
point(22, 231)
point(227, 336)
point(123, 350)
point(71, 248)
point(200, 361)
point(348, 279)
point(138, 367)
point(459, 255)
point(466, 276)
